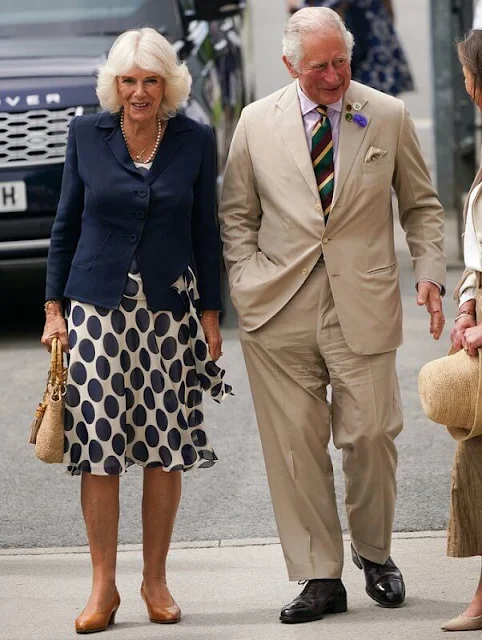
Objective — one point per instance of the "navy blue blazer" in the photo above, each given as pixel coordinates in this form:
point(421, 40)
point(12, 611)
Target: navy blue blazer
point(108, 212)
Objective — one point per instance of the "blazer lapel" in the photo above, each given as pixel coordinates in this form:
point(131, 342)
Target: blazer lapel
point(115, 140)
point(171, 143)
point(289, 123)
point(350, 140)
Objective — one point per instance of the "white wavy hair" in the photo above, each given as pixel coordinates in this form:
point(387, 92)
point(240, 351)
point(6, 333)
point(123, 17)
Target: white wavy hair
point(146, 49)
point(312, 20)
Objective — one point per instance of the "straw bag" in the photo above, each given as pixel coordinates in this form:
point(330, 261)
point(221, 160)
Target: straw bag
point(450, 390)
point(47, 430)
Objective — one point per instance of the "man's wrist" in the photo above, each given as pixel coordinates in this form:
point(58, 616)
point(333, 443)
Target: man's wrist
point(440, 287)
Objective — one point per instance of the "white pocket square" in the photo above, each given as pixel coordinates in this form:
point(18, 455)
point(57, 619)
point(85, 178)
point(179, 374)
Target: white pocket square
point(374, 153)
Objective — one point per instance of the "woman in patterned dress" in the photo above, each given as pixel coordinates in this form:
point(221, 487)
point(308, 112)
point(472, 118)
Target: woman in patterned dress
point(134, 261)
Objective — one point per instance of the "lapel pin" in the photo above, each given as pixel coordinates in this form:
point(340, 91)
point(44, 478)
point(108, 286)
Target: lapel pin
point(348, 117)
point(348, 107)
point(360, 120)
point(357, 106)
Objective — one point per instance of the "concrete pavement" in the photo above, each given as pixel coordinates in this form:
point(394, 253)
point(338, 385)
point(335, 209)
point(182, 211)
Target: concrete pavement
point(232, 590)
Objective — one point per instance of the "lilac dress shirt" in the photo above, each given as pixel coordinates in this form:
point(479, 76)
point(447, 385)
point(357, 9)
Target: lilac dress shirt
point(311, 117)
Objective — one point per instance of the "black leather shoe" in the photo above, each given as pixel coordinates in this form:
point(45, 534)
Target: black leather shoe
point(384, 581)
point(317, 598)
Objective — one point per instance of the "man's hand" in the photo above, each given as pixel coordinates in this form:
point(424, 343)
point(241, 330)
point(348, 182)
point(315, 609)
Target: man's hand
point(429, 295)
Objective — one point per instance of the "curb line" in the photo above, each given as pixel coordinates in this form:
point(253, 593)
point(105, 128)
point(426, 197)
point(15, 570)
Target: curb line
point(202, 544)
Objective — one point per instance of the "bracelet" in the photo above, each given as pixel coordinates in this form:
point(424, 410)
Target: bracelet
point(464, 313)
point(49, 302)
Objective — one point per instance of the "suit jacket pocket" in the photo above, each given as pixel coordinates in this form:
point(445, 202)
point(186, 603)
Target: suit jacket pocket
point(376, 164)
point(88, 249)
point(258, 267)
point(382, 269)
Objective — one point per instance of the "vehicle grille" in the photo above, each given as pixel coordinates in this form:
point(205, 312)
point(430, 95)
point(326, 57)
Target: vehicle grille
point(34, 137)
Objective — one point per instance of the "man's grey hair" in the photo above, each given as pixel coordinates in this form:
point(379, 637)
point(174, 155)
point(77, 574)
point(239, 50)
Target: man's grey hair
point(308, 21)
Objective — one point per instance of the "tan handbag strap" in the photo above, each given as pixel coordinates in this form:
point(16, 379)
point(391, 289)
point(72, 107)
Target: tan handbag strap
point(53, 360)
point(60, 362)
point(56, 363)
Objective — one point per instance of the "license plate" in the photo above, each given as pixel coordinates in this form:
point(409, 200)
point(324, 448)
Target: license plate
point(13, 196)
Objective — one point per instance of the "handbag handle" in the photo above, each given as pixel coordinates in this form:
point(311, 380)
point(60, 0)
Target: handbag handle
point(57, 374)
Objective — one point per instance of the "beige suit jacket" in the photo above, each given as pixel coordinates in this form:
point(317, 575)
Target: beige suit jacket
point(272, 224)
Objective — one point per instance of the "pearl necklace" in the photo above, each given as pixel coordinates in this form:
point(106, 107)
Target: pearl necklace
point(137, 157)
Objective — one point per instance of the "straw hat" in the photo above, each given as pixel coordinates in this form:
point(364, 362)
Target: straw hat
point(450, 390)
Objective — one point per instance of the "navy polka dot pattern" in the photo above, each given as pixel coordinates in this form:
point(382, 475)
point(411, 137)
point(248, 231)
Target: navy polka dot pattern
point(136, 382)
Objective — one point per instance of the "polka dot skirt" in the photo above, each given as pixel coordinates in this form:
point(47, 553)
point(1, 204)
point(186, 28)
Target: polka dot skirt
point(135, 385)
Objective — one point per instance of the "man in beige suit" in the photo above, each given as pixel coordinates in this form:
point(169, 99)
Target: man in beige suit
point(307, 224)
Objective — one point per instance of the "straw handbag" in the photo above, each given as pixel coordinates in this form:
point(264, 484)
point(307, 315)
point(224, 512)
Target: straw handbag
point(47, 431)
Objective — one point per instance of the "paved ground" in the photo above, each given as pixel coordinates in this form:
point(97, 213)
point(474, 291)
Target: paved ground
point(233, 593)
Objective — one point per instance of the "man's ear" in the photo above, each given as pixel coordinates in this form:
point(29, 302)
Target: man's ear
point(291, 70)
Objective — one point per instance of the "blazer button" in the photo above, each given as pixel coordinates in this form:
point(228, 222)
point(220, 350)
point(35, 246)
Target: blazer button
point(142, 192)
point(325, 240)
point(133, 238)
point(304, 271)
point(140, 215)
point(318, 207)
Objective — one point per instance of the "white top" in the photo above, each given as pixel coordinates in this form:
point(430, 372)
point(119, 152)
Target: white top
point(143, 165)
point(477, 23)
point(472, 248)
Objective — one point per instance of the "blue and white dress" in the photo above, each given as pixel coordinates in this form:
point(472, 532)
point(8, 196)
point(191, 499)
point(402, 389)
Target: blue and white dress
point(135, 384)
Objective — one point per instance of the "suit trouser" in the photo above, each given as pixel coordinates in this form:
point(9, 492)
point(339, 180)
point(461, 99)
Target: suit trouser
point(290, 361)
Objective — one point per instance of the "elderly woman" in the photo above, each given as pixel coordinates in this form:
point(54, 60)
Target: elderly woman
point(465, 527)
point(135, 222)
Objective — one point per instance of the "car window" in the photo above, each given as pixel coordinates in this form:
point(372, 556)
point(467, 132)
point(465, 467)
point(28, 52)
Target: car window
point(86, 17)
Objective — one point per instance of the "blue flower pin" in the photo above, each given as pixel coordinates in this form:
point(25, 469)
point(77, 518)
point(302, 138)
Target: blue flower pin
point(360, 120)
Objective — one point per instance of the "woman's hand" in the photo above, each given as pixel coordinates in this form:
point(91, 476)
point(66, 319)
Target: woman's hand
point(458, 332)
point(472, 340)
point(210, 324)
point(55, 325)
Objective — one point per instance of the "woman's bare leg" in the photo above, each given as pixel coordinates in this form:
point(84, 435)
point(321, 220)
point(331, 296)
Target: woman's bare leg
point(475, 607)
point(100, 507)
point(160, 501)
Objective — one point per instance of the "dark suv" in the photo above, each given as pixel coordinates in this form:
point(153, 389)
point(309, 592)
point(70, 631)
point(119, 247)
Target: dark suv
point(49, 53)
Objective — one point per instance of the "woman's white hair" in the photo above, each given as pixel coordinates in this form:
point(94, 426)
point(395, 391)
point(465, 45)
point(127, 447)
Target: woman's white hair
point(149, 50)
point(312, 20)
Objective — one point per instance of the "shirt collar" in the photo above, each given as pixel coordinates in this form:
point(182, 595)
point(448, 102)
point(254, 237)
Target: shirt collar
point(308, 105)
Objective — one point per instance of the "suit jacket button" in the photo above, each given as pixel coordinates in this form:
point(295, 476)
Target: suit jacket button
point(133, 238)
point(142, 192)
point(140, 215)
point(304, 271)
point(318, 207)
point(325, 240)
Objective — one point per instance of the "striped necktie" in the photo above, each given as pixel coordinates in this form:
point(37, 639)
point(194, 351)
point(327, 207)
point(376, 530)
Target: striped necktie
point(322, 157)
